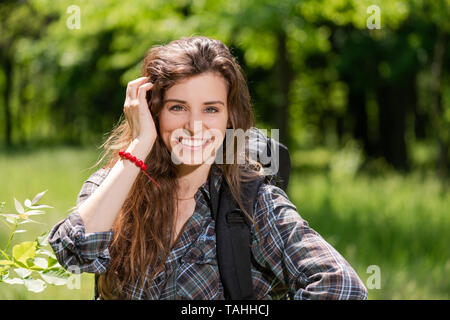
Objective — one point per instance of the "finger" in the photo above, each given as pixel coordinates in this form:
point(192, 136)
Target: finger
point(133, 86)
point(142, 93)
point(131, 90)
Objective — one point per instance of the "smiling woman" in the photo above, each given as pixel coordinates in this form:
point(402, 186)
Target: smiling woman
point(188, 127)
point(147, 242)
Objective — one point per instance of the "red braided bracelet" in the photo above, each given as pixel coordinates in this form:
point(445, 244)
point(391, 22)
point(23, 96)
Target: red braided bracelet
point(137, 162)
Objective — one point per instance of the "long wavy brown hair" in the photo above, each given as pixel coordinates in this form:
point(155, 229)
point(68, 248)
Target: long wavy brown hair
point(144, 228)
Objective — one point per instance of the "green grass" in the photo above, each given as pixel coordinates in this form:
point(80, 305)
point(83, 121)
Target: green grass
point(399, 223)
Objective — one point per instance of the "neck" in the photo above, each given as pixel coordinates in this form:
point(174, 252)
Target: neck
point(190, 178)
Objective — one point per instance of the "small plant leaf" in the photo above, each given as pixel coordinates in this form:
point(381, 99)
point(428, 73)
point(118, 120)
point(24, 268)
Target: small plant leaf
point(13, 281)
point(52, 262)
point(42, 240)
point(11, 215)
point(19, 207)
point(35, 285)
point(11, 220)
point(47, 253)
point(3, 272)
point(26, 220)
point(41, 263)
point(6, 263)
point(55, 277)
point(20, 264)
point(40, 206)
point(22, 272)
point(38, 197)
point(34, 212)
point(23, 251)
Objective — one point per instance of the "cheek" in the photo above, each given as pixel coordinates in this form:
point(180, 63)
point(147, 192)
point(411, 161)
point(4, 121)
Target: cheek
point(167, 124)
point(218, 128)
point(218, 122)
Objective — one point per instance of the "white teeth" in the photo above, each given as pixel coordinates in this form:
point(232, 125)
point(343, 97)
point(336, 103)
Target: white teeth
point(192, 143)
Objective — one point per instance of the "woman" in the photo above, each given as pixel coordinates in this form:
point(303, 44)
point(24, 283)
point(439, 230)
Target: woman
point(152, 237)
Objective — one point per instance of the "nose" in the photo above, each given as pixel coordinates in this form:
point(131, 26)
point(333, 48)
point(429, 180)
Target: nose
point(194, 124)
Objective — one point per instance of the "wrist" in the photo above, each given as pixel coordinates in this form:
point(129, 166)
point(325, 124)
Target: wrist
point(139, 148)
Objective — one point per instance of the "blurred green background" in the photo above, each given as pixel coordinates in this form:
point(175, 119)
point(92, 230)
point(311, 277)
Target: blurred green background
point(365, 112)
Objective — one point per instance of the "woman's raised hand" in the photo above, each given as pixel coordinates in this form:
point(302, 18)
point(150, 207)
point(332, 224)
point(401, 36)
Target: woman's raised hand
point(137, 111)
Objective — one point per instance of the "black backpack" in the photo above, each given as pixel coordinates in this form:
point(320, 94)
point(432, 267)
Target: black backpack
point(233, 237)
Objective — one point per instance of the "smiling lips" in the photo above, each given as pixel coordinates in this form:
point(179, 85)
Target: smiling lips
point(193, 144)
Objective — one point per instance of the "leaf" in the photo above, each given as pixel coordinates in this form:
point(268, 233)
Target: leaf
point(11, 215)
point(41, 262)
point(38, 197)
point(47, 253)
point(18, 206)
point(29, 220)
point(11, 220)
point(34, 212)
point(25, 250)
point(13, 281)
point(40, 206)
point(55, 277)
point(42, 240)
point(52, 262)
point(22, 272)
point(3, 272)
point(35, 285)
point(20, 264)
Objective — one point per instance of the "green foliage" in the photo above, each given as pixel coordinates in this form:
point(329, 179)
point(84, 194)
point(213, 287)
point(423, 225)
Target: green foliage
point(69, 84)
point(31, 263)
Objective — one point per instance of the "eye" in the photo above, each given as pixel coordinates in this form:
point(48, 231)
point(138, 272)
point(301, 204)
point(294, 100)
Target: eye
point(176, 107)
point(214, 110)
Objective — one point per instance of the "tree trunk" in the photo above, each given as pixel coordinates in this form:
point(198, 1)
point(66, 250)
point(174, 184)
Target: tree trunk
point(436, 106)
point(8, 69)
point(357, 107)
point(392, 117)
point(22, 105)
point(284, 78)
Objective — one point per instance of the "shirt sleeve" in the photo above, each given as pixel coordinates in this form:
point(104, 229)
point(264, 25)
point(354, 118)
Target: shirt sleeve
point(74, 249)
point(297, 255)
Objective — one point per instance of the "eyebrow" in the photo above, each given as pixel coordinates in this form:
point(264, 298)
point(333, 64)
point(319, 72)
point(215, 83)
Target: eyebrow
point(181, 101)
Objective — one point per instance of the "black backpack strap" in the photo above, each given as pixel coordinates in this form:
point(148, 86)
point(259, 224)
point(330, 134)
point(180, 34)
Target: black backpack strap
point(276, 150)
point(96, 295)
point(233, 238)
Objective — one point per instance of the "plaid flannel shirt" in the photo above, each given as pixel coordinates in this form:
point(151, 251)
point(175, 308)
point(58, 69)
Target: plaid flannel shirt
point(289, 258)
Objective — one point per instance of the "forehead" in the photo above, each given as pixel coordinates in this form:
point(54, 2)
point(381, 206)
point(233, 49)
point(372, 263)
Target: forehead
point(203, 86)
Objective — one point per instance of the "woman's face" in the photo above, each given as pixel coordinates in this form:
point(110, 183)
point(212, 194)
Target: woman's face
point(194, 118)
